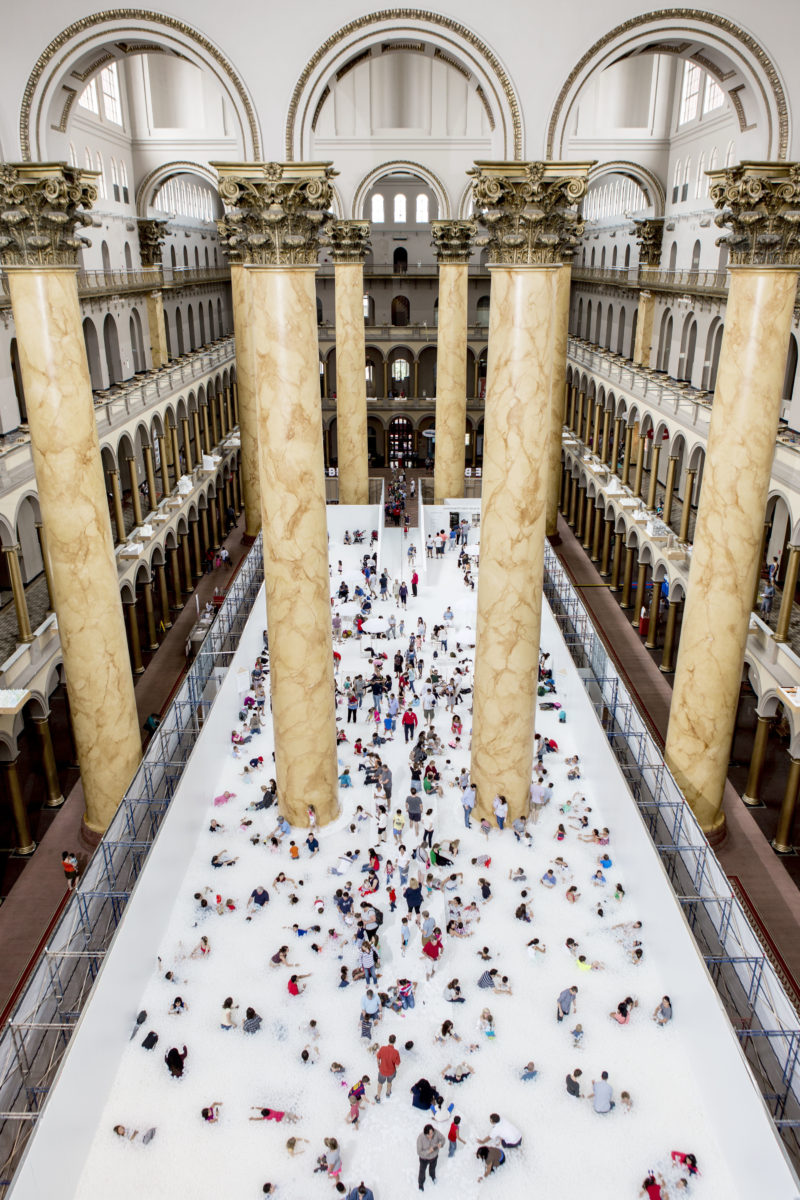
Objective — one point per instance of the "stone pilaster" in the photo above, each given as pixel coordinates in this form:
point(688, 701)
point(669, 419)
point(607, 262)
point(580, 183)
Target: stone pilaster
point(453, 241)
point(349, 246)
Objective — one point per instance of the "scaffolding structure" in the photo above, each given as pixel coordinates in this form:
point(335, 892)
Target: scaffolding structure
point(37, 1034)
point(757, 1005)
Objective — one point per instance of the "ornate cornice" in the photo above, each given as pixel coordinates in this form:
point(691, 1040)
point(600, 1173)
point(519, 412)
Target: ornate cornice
point(680, 16)
point(151, 239)
point(40, 205)
point(454, 241)
point(109, 17)
point(760, 203)
point(276, 213)
point(396, 16)
point(528, 210)
point(649, 234)
point(349, 241)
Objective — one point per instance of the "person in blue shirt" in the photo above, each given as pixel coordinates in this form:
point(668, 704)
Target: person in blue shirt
point(362, 1192)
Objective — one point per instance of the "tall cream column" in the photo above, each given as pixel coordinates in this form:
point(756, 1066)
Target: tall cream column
point(453, 241)
point(556, 421)
point(526, 209)
point(349, 247)
point(759, 202)
point(151, 239)
point(649, 234)
point(248, 418)
point(40, 204)
point(277, 213)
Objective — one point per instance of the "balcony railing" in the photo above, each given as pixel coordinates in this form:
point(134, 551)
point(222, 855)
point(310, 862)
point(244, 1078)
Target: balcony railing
point(707, 283)
point(137, 279)
point(399, 333)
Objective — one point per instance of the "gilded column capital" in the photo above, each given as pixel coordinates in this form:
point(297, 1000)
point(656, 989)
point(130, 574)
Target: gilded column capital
point(649, 234)
point(528, 209)
point(348, 241)
point(453, 241)
point(151, 238)
point(40, 205)
point(276, 213)
point(760, 203)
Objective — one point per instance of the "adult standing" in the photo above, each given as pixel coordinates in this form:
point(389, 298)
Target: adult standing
point(429, 1143)
point(468, 803)
point(409, 721)
point(414, 583)
point(388, 1062)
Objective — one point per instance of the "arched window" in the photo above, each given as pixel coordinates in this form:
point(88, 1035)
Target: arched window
point(713, 159)
point(400, 261)
point(687, 170)
point(621, 332)
point(173, 258)
point(88, 98)
point(714, 96)
point(614, 257)
point(676, 181)
point(627, 256)
point(185, 256)
point(197, 258)
point(690, 92)
point(665, 341)
point(111, 343)
point(401, 310)
point(106, 256)
point(399, 209)
point(101, 182)
point(673, 256)
point(190, 317)
point(137, 343)
point(696, 249)
point(319, 311)
point(700, 184)
point(109, 86)
point(377, 210)
point(201, 318)
point(422, 209)
point(114, 180)
point(73, 158)
point(730, 155)
point(128, 257)
point(483, 312)
point(123, 179)
point(602, 258)
point(87, 159)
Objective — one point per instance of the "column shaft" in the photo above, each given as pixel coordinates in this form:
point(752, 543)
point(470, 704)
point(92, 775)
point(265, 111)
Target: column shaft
point(248, 417)
point(451, 394)
point(205, 421)
point(187, 564)
point(55, 797)
point(644, 329)
point(626, 462)
point(617, 440)
point(187, 445)
point(198, 441)
point(152, 492)
point(641, 593)
point(176, 452)
point(616, 569)
point(163, 595)
point(596, 531)
point(573, 502)
point(627, 577)
point(655, 454)
point(175, 570)
point(25, 844)
point(725, 563)
point(782, 842)
point(42, 532)
point(651, 641)
point(667, 664)
point(762, 554)
point(637, 483)
point(604, 557)
point(116, 495)
point(295, 540)
point(198, 558)
point(752, 791)
point(150, 614)
point(588, 522)
point(159, 352)
point(66, 458)
point(604, 436)
point(787, 599)
point(135, 644)
point(512, 551)
point(162, 459)
point(557, 397)
point(670, 488)
point(688, 488)
point(134, 483)
point(18, 591)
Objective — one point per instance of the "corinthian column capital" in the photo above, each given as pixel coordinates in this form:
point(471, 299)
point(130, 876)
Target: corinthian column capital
point(649, 234)
point(276, 213)
point(349, 241)
point(453, 241)
point(40, 205)
point(151, 240)
point(529, 209)
point(760, 203)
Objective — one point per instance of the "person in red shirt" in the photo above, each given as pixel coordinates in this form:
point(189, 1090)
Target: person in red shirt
point(433, 950)
point(294, 986)
point(686, 1160)
point(388, 1062)
point(651, 1188)
point(414, 582)
point(409, 722)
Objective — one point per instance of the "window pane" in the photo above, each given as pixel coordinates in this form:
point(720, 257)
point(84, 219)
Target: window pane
point(109, 83)
point(89, 97)
point(422, 209)
point(377, 209)
point(690, 92)
point(400, 208)
point(714, 95)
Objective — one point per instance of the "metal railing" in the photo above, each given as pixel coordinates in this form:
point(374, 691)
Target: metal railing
point(692, 281)
point(761, 1013)
point(110, 282)
point(37, 1034)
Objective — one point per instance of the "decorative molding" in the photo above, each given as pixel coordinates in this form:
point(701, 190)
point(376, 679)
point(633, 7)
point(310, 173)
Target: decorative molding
point(529, 210)
point(681, 14)
point(146, 190)
point(326, 91)
point(353, 62)
point(760, 203)
point(406, 14)
point(736, 101)
point(649, 234)
point(70, 98)
point(411, 47)
point(705, 62)
point(277, 213)
point(90, 24)
point(453, 241)
point(151, 240)
point(40, 205)
point(646, 179)
point(487, 106)
point(452, 62)
point(349, 241)
point(83, 76)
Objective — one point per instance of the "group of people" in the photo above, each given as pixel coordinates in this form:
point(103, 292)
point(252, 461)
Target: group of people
point(380, 931)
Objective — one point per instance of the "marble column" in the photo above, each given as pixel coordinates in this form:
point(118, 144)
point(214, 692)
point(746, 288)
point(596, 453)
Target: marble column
point(626, 461)
point(637, 481)
point(55, 796)
point(644, 329)
point(787, 597)
point(688, 489)
point(136, 503)
point(759, 201)
point(649, 235)
point(152, 492)
point(133, 629)
point(187, 445)
point(752, 791)
point(163, 595)
point(24, 631)
point(205, 421)
point(782, 842)
point(557, 396)
point(159, 348)
point(116, 497)
point(608, 526)
point(152, 234)
point(41, 204)
point(163, 465)
point(150, 615)
point(48, 574)
point(616, 567)
point(604, 439)
point(667, 664)
point(24, 845)
point(276, 213)
point(524, 258)
point(672, 466)
point(588, 521)
point(349, 246)
point(619, 425)
point(176, 452)
point(652, 490)
point(627, 577)
point(248, 417)
point(453, 241)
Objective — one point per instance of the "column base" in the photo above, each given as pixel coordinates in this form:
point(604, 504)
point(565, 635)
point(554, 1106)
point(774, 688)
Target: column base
point(138, 671)
point(56, 803)
point(248, 539)
point(154, 645)
point(783, 851)
point(88, 839)
point(717, 834)
point(554, 539)
point(667, 670)
point(24, 851)
point(650, 645)
point(752, 803)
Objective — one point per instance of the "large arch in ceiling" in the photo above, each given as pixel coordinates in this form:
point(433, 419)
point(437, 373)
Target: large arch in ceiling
point(740, 65)
point(399, 167)
point(67, 64)
point(454, 42)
